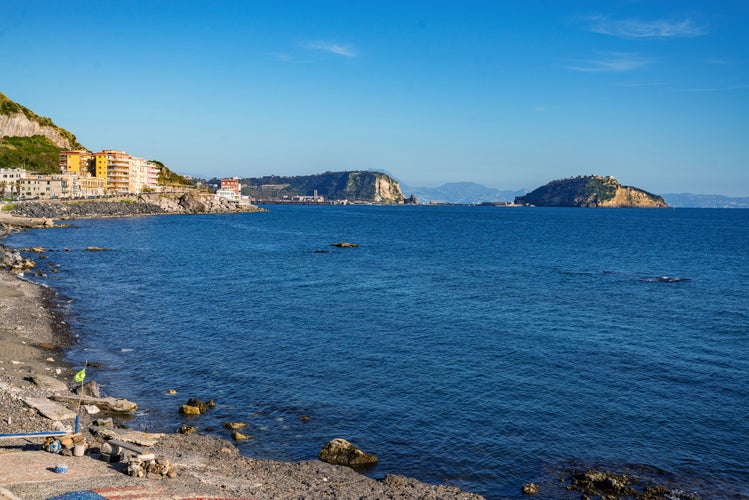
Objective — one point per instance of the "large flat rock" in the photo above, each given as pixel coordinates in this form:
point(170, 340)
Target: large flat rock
point(49, 383)
point(50, 409)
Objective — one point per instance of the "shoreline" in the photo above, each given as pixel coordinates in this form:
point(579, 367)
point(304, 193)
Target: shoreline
point(211, 467)
point(33, 340)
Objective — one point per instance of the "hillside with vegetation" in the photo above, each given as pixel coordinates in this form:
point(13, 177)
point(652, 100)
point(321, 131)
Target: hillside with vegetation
point(17, 120)
point(354, 186)
point(31, 141)
point(590, 191)
point(167, 177)
point(36, 153)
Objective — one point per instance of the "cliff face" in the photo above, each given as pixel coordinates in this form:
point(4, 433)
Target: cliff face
point(374, 187)
point(387, 190)
point(19, 121)
point(18, 125)
point(591, 191)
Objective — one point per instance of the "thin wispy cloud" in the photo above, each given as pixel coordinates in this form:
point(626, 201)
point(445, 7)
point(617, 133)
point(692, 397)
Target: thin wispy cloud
point(716, 89)
point(639, 29)
point(641, 84)
point(610, 62)
point(332, 48)
point(721, 61)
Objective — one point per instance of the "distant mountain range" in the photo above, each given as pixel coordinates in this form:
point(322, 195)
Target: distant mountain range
point(460, 192)
point(471, 193)
point(688, 200)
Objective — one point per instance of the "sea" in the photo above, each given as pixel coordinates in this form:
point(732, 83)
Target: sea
point(481, 347)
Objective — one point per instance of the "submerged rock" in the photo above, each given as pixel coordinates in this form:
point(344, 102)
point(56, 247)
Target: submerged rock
point(238, 436)
point(344, 244)
point(189, 410)
point(341, 452)
point(199, 404)
point(234, 425)
point(593, 482)
point(529, 489)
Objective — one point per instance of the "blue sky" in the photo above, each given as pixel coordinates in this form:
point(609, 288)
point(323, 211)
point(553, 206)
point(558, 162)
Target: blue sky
point(510, 94)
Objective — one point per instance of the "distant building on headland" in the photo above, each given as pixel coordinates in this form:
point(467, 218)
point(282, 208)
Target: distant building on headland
point(230, 189)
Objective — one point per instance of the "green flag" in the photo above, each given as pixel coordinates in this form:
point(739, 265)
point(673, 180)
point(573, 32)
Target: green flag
point(80, 376)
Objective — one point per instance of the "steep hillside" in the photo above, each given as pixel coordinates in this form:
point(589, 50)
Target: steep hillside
point(36, 153)
point(31, 141)
point(590, 191)
point(374, 187)
point(167, 177)
point(20, 121)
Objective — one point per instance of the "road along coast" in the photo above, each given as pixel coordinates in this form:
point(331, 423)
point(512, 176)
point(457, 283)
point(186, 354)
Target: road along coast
point(34, 378)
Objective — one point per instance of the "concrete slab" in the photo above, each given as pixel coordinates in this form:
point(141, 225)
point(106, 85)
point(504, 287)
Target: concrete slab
point(50, 383)
point(39, 466)
point(137, 437)
point(50, 409)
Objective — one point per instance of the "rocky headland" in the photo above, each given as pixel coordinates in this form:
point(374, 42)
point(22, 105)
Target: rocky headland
point(592, 191)
point(354, 186)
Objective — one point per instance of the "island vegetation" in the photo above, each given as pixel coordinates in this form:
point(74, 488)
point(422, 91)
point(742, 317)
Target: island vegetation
point(590, 191)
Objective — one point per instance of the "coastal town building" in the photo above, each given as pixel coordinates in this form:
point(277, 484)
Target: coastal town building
point(44, 186)
point(152, 176)
point(315, 198)
point(108, 171)
point(86, 186)
point(230, 189)
point(10, 181)
point(83, 175)
point(123, 173)
point(76, 162)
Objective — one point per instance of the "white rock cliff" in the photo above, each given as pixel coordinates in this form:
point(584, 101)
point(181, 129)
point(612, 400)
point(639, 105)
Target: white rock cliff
point(19, 125)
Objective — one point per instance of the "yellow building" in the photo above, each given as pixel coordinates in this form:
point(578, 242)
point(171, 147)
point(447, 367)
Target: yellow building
point(76, 162)
point(114, 168)
point(123, 173)
point(100, 167)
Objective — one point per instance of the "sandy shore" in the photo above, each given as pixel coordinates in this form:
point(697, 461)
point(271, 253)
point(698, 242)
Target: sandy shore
point(32, 343)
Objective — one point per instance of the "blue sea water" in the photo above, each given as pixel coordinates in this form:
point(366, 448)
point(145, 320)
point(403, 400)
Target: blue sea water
point(479, 346)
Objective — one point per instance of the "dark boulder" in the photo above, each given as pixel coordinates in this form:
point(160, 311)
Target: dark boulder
point(341, 452)
point(200, 405)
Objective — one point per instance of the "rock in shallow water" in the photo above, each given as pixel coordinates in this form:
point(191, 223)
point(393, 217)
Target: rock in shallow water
point(341, 452)
point(189, 410)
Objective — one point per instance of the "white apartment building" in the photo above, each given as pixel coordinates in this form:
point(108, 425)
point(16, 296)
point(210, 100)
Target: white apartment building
point(10, 181)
